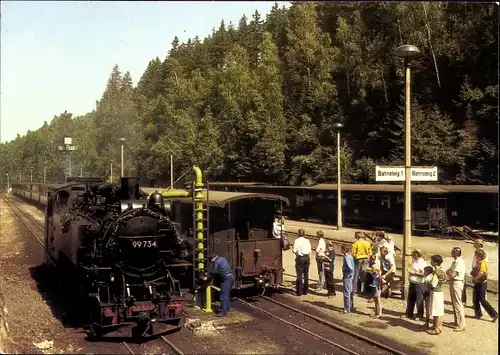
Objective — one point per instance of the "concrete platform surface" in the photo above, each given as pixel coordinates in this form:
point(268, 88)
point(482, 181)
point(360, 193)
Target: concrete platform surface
point(480, 337)
point(428, 245)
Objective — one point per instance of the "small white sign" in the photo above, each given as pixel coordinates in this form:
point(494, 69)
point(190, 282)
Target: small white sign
point(397, 173)
point(68, 140)
point(70, 147)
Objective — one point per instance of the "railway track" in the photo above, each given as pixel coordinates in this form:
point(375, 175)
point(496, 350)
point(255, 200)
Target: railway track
point(34, 229)
point(351, 342)
point(163, 339)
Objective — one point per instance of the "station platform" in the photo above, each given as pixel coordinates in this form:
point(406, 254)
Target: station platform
point(428, 245)
point(480, 337)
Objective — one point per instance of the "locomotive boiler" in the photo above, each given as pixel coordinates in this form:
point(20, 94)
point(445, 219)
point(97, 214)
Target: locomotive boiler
point(124, 251)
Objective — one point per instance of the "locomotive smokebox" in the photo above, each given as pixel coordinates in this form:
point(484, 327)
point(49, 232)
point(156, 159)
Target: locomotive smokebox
point(129, 189)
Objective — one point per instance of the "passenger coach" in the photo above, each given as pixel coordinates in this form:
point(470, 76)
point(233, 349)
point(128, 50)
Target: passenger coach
point(435, 207)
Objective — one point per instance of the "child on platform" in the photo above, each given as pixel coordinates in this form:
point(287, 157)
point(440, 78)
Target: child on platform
point(377, 290)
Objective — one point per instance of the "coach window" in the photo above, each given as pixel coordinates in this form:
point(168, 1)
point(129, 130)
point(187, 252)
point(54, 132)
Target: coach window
point(62, 199)
point(386, 201)
point(370, 198)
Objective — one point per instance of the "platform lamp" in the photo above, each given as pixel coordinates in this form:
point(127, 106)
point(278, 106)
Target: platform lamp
point(44, 169)
point(338, 127)
point(407, 52)
point(122, 140)
point(31, 174)
point(111, 171)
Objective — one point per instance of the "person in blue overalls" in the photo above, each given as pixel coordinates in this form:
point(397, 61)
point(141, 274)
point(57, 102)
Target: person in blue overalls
point(221, 269)
point(347, 278)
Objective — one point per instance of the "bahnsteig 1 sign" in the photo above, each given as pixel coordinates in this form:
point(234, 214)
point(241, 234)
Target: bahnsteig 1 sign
point(397, 173)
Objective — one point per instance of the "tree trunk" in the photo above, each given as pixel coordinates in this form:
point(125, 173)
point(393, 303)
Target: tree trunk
point(400, 35)
point(429, 37)
point(385, 87)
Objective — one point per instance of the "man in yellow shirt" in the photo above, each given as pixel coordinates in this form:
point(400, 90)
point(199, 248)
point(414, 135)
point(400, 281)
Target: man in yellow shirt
point(361, 252)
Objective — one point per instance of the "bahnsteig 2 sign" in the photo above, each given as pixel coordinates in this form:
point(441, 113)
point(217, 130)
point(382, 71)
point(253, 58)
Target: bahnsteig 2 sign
point(397, 173)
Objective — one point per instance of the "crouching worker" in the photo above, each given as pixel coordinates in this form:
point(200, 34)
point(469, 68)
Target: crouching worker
point(221, 271)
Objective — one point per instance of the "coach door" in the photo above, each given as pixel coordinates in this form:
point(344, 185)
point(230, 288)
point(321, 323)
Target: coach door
point(437, 213)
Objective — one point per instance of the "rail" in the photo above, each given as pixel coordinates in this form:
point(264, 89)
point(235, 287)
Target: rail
point(325, 322)
point(23, 216)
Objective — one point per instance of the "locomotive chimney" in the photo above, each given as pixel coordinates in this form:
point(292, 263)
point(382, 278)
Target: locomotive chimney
point(129, 188)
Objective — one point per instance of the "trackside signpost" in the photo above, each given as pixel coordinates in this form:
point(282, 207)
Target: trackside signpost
point(397, 173)
point(67, 147)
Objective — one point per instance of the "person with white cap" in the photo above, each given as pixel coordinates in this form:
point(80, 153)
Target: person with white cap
point(221, 269)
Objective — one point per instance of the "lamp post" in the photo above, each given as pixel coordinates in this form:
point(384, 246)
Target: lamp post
point(7, 175)
point(123, 141)
point(407, 52)
point(44, 169)
point(111, 171)
point(338, 127)
point(31, 174)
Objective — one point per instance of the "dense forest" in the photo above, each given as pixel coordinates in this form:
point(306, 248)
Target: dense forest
point(257, 100)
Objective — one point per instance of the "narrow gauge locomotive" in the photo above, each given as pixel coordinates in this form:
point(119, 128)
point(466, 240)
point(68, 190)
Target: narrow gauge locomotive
point(125, 251)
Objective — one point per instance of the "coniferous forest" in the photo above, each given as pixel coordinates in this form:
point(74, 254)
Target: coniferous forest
point(257, 100)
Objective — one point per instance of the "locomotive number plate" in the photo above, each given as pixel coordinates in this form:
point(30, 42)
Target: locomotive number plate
point(144, 244)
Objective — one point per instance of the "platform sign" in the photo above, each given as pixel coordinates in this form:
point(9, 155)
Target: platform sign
point(68, 140)
point(397, 173)
point(66, 147)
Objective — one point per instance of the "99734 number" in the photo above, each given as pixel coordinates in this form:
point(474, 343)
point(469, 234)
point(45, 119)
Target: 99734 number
point(144, 244)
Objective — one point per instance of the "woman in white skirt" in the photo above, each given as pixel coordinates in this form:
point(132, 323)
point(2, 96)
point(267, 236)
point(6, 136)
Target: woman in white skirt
point(436, 302)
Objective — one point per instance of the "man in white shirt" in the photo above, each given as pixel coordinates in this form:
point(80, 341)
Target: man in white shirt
point(456, 274)
point(320, 256)
point(302, 249)
point(416, 287)
point(379, 243)
point(279, 232)
point(388, 268)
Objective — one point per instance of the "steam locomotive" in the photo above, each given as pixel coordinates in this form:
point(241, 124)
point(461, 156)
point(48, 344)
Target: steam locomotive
point(125, 252)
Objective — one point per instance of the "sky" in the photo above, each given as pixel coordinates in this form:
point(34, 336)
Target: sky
point(57, 55)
